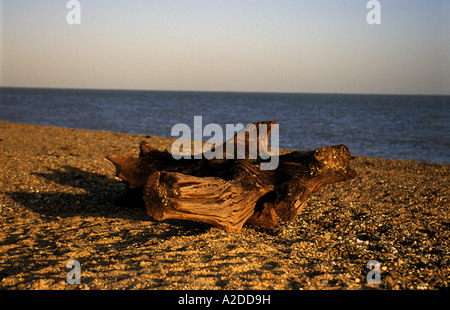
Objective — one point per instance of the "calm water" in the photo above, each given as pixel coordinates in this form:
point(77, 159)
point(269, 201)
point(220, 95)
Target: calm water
point(401, 127)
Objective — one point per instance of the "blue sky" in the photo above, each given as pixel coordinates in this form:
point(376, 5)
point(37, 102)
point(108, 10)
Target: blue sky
point(246, 45)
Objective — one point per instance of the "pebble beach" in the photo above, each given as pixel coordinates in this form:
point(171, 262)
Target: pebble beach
point(58, 197)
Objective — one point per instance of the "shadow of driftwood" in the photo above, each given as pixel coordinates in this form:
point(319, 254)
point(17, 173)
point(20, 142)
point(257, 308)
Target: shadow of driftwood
point(96, 195)
point(90, 194)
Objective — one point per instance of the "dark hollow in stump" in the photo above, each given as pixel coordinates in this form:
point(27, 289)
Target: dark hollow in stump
point(228, 193)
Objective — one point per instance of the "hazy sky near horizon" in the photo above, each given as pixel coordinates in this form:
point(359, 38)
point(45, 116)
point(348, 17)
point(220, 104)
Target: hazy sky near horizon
point(228, 45)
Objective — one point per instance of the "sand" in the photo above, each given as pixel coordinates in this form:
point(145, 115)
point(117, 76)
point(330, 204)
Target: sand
point(57, 203)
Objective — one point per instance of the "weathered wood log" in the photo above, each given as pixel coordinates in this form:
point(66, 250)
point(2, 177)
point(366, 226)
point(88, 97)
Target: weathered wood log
point(228, 193)
point(212, 200)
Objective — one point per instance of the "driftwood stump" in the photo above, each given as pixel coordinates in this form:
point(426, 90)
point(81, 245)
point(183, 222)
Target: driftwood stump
point(228, 193)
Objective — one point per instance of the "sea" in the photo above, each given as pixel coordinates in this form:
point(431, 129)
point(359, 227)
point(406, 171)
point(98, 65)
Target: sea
point(408, 127)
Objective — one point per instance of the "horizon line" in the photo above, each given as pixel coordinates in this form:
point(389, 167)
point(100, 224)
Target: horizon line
point(228, 91)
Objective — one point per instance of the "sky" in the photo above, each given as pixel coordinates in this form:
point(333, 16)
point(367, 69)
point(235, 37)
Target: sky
point(322, 46)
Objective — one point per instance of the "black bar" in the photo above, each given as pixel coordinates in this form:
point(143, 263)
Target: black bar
point(214, 299)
